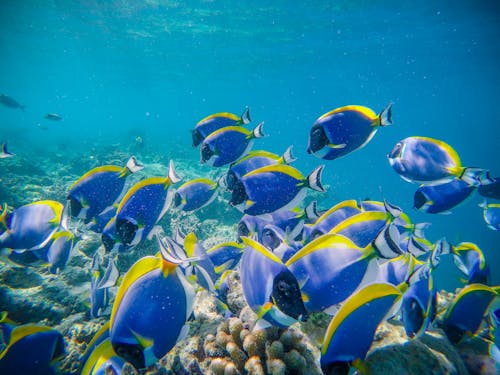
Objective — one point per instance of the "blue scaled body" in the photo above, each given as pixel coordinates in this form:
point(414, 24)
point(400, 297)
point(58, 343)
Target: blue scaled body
point(228, 144)
point(344, 130)
point(441, 198)
point(210, 124)
point(150, 311)
point(143, 205)
point(98, 189)
point(268, 189)
point(195, 194)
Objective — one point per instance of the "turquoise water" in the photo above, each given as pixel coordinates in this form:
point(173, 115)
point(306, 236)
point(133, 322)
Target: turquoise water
point(116, 70)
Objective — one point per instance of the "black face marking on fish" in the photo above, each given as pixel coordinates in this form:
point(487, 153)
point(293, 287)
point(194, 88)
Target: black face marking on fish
point(126, 231)
point(177, 199)
point(239, 195)
point(287, 297)
point(206, 153)
point(131, 353)
point(231, 180)
point(197, 138)
point(243, 230)
point(396, 151)
point(413, 318)
point(270, 239)
point(317, 139)
point(74, 206)
point(453, 333)
point(419, 200)
point(108, 242)
point(335, 368)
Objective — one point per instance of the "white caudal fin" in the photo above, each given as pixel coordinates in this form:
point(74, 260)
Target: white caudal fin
point(314, 179)
point(133, 165)
point(386, 115)
point(476, 176)
point(258, 131)
point(393, 210)
point(245, 116)
point(172, 174)
point(288, 156)
point(386, 244)
point(110, 276)
point(419, 229)
point(311, 211)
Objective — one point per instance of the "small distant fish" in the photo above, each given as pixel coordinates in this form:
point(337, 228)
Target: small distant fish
point(345, 129)
point(10, 102)
point(431, 162)
point(195, 194)
point(53, 117)
point(4, 153)
point(471, 262)
point(491, 215)
point(217, 121)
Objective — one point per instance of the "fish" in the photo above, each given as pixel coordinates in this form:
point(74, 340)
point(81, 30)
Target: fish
point(228, 144)
point(274, 187)
point(470, 260)
point(195, 194)
point(253, 160)
point(57, 253)
point(333, 216)
point(53, 117)
point(467, 311)
point(104, 361)
point(491, 215)
point(346, 129)
point(4, 153)
point(110, 238)
point(350, 333)
point(142, 335)
point(270, 289)
point(99, 188)
point(280, 242)
point(31, 349)
point(31, 227)
point(143, 206)
point(491, 191)
point(418, 307)
point(99, 222)
point(10, 102)
point(101, 280)
point(225, 256)
point(441, 198)
point(432, 162)
point(330, 268)
point(214, 122)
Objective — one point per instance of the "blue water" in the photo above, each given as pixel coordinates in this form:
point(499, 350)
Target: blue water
point(118, 69)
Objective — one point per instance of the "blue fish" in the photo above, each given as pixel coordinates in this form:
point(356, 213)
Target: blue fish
point(228, 144)
point(4, 153)
point(225, 256)
point(491, 191)
point(31, 226)
point(142, 335)
point(467, 311)
point(270, 289)
point(195, 194)
point(99, 188)
point(275, 187)
point(397, 271)
point(57, 253)
point(345, 129)
point(430, 161)
point(329, 219)
point(31, 349)
point(101, 280)
point(143, 206)
point(441, 198)
point(471, 262)
point(491, 215)
point(329, 269)
point(110, 238)
point(281, 243)
point(350, 333)
point(99, 222)
point(254, 160)
point(217, 121)
point(418, 308)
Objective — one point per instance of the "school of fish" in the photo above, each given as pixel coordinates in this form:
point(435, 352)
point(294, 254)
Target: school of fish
point(362, 262)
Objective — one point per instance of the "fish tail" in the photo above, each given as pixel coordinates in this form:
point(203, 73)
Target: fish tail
point(258, 132)
point(311, 211)
point(132, 166)
point(474, 176)
point(288, 157)
point(172, 177)
point(314, 179)
point(245, 116)
point(385, 117)
point(3, 216)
